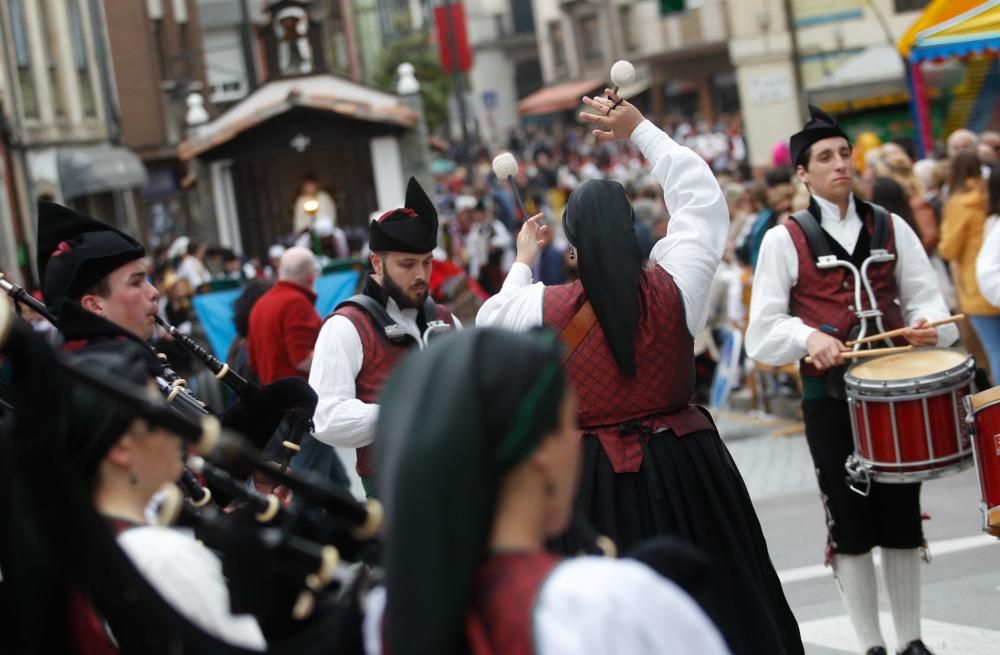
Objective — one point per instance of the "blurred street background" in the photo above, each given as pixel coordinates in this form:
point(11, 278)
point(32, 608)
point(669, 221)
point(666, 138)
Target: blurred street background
point(221, 132)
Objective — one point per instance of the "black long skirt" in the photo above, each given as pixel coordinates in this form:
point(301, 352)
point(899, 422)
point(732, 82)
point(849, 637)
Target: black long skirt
point(689, 488)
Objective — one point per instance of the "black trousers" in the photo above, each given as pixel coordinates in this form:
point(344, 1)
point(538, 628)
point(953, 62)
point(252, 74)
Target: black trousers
point(889, 516)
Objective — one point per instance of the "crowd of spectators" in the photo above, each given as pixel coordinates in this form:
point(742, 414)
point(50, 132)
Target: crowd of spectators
point(950, 199)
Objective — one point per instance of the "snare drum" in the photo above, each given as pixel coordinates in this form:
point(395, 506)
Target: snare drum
point(906, 415)
point(984, 427)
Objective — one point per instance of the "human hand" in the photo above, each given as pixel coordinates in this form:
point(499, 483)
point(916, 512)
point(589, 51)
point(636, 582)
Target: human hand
point(825, 350)
point(529, 240)
point(918, 335)
point(617, 118)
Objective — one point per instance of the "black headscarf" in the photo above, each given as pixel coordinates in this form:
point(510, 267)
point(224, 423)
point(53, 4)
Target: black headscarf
point(59, 541)
point(91, 425)
point(454, 419)
point(600, 223)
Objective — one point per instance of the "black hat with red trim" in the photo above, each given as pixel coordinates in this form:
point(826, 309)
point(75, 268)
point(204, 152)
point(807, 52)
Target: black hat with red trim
point(75, 251)
point(412, 228)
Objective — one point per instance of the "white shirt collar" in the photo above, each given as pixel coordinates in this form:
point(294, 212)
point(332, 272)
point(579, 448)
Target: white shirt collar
point(406, 315)
point(830, 210)
point(844, 231)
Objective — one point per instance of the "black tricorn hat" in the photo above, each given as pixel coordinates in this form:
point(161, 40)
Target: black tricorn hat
point(412, 228)
point(820, 126)
point(75, 251)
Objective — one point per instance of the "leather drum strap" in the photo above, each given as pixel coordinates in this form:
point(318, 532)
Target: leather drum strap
point(578, 327)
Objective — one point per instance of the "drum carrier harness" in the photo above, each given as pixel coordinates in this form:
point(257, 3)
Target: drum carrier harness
point(393, 332)
point(860, 477)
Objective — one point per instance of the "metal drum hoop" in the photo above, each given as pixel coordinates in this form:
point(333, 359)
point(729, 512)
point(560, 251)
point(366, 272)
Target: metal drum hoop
point(906, 477)
point(950, 379)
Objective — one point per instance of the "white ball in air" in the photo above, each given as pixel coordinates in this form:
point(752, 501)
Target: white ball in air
point(622, 73)
point(504, 165)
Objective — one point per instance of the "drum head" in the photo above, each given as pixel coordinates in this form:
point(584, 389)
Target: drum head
point(913, 364)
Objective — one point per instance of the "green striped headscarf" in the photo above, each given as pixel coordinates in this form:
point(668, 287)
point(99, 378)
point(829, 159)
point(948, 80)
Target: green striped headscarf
point(453, 420)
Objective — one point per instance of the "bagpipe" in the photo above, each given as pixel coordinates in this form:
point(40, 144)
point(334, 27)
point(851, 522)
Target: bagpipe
point(257, 414)
point(289, 398)
point(282, 563)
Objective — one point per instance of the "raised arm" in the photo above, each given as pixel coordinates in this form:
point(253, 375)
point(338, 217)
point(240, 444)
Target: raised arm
point(518, 306)
point(699, 217)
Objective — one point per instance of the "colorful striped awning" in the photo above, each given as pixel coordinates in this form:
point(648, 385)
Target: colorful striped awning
point(953, 28)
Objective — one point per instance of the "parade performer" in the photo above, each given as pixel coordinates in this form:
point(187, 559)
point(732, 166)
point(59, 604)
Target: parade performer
point(124, 461)
point(798, 309)
point(86, 469)
point(95, 282)
point(652, 464)
point(363, 338)
point(478, 457)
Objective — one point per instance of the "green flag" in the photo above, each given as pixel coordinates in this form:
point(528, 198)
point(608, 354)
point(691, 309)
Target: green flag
point(671, 6)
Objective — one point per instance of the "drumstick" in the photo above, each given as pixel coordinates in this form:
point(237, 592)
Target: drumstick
point(895, 333)
point(874, 352)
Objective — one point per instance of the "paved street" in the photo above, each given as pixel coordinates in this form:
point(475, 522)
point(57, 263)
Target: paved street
point(961, 586)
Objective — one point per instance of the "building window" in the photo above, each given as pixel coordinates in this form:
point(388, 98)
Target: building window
point(628, 31)
point(590, 38)
point(910, 5)
point(22, 56)
point(524, 18)
point(558, 44)
point(80, 61)
point(52, 42)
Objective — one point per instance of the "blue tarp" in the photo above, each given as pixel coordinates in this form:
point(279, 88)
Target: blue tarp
point(215, 310)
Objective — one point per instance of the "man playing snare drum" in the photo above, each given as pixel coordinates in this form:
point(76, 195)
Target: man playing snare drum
point(797, 309)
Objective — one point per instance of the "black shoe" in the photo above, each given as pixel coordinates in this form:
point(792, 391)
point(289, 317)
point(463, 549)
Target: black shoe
point(877, 650)
point(916, 647)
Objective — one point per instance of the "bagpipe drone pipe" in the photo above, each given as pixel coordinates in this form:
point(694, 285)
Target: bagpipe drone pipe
point(275, 417)
point(303, 599)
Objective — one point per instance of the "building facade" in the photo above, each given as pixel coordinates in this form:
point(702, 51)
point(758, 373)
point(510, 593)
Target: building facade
point(507, 67)
point(682, 62)
point(61, 122)
point(300, 122)
point(156, 50)
point(789, 51)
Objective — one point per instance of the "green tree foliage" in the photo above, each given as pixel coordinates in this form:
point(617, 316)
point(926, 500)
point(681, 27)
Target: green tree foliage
point(420, 50)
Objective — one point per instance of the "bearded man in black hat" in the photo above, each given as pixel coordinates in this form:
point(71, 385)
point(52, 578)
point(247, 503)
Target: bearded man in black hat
point(361, 341)
point(799, 309)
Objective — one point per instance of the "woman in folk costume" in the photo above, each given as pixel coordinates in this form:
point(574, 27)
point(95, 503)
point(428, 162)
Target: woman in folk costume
point(479, 457)
point(652, 464)
point(92, 576)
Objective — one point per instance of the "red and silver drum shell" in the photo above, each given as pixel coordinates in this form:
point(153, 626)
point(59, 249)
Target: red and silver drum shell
point(911, 429)
point(983, 419)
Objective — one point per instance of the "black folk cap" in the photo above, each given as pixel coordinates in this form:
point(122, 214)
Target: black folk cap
point(412, 228)
point(75, 251)
point(820, 126)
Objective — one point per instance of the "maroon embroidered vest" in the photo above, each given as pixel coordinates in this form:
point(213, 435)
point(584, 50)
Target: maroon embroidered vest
point(826, 297)
point(617, 408)
point(380, 357)
point(500, 616)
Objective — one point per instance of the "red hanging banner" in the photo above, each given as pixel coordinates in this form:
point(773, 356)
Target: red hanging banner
point(450, 23)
